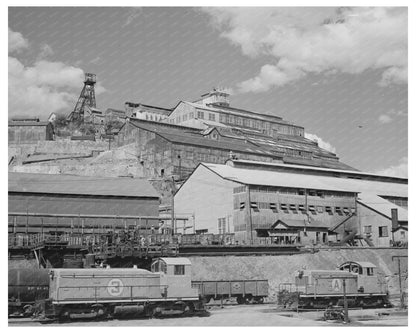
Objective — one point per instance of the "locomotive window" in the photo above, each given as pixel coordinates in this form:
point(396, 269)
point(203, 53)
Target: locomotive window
point(370, 271)
point(179, 270)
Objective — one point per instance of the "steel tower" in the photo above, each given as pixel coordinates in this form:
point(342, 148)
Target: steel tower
point(86, 98)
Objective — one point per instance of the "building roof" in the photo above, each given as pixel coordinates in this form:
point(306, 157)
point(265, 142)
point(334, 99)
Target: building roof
point(240, 112)
point(192, 136)
point(381, 206)
point(279, 178)
point(298, 224)
point(28, 123)
point(237, 163)
point(80, 185)
point(364, 264)
point(176, 261)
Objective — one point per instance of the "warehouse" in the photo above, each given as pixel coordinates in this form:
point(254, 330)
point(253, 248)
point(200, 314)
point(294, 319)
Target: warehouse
point(262, 202)
point(46, 199)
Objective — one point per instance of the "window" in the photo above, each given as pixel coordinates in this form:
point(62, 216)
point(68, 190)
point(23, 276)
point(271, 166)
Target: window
point(320, 194)
point(328, 209)
point(191, 115)
point(367, 229)
point(370, 271)
point(346, 210)
point(211, 116)
point(242, 205)
point(301, 192)
point(338, 210)
point(179, 270)
point(312, 209)
point(319, 209)
point(200, 114)
point(184, 117)
point(273, 207)
point(302, 208)
point(382, 231)
point(283, 207)
point(292, 207)
point(254, 206)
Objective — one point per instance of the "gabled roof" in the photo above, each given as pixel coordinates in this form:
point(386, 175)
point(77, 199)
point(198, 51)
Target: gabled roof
point(192, 136)
point(381, 206)
point(280, 178)
point(80, 185)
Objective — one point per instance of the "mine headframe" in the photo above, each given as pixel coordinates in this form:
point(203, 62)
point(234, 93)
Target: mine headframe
point(86, 99)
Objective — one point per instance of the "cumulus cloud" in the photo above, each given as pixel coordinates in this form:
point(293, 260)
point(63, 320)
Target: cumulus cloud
point(385, 119)
point(316, 40)
point(44, 87)
point(321, 143)
point(399, 170)
point(17, 42)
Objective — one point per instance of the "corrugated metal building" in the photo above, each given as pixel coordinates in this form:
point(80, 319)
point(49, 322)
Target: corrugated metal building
point(27, 131)
point(79, 195)
point(166, 149)
point(291, 203)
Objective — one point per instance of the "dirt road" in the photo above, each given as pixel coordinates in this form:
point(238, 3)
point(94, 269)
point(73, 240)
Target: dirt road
point(247, 315)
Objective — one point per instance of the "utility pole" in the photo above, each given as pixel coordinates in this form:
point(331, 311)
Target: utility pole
point(173, 205)
point(400, 279)
point(344, 290)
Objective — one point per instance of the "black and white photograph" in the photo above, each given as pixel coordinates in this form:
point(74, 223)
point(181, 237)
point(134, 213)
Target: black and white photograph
point(228, 165)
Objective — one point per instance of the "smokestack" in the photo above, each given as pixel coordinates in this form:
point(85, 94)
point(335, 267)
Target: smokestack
point(394, 218)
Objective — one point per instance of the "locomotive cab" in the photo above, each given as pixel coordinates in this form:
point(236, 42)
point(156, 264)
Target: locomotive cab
point(368, 280)
point(175, 273)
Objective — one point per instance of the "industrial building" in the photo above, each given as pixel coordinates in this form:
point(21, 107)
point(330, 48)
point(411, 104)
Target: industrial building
point(41, 200)
point(27, 130)
point(264, 202)
point(173, 141)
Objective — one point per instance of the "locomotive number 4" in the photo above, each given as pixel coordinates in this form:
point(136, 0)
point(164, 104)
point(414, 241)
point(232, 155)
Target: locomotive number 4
point(115, 287)
point(336, 284)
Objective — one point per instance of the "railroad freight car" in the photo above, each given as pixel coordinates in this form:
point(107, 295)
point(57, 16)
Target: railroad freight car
point(245, 291)
point(26, 286)
point(119, 292)
point(362, 285)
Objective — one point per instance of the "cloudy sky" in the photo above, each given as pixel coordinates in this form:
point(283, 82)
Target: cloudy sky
point(339, 72)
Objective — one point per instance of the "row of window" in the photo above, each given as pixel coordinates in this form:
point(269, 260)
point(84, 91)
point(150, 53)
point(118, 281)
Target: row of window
point(256, 206)
point(382, 231)
point(300, 191)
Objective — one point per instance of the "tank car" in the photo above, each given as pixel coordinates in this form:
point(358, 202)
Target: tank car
point(26, 286)
point(364, 287)
point(120, 292)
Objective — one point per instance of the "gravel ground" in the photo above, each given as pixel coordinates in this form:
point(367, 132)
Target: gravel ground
point(248, 315)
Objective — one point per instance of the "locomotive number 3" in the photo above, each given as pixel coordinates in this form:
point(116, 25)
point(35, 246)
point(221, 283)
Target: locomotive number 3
point(115, 287)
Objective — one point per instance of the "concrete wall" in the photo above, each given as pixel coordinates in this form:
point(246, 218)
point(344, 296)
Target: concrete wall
point(207, 196)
